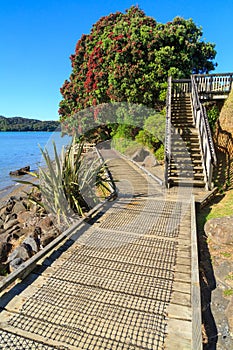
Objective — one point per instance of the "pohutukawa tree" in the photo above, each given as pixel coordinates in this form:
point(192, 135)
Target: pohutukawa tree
point(128, 57)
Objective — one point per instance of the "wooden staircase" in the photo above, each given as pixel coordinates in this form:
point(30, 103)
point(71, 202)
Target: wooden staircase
point(186, 161)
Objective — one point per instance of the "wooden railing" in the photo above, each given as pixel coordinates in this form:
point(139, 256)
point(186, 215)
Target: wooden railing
point(202, 124)
point(214, 84)
point(168, 133)
point(177, 88)
point(180, 87)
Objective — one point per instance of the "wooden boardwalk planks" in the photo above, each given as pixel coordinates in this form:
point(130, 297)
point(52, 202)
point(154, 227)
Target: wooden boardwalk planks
point(124, 283)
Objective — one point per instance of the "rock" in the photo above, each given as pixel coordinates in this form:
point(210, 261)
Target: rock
point(226, 114)
point(10, 224)
point(140, 155)
point(48, 237)
point(10, 217)
point(2, 211)
point(27, 219)
point(45, 223)
point(13, 237)
point(222, 269)
point(32, 244)
point(15, 229)
point(5, 248)
point(20, 252)
point(21, 171)
point(18, 207)
point(220, 229)
point(8, 208)
point(150, 161)
point(229, 315)
point(3, 214)
point(17, 198)
point(1, 222)
point(15, 263)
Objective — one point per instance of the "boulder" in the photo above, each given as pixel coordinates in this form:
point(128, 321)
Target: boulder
point(32, 243)
point(1, 222)
point(48, 236)
point(226, 114)
point(18, 207)
point(21, 171)
point(229, 315)
point(11, 216)
point(45, 223)
point(150, 161)
point(20, 252)
point(13, 232)
point(9, 224)
point(140, 155)
point(220, 230)
point(27, 219)
point(8, 208)
point(15, 263)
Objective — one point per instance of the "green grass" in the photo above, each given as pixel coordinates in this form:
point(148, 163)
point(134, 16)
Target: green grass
point(229, 277)
point(223, 208)
point(228, 292)
point(225, 254)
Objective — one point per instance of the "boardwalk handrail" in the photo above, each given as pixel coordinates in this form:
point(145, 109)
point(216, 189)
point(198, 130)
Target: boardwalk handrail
point(202, 124)
point(195, 289)
point(168, 132)
point(216, 84)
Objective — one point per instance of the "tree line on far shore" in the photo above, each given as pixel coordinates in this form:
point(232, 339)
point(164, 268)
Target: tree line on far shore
point(26, 124)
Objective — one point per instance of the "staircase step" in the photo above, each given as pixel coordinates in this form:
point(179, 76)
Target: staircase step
point(183, 161)
point(187, 176)
point(191, 167)
point(186, 165)
point(187, 182)
point(187, 143)
point(191, 151)
point(180, 117)
point(186, 155)
point(183, 122)
point(179, 111)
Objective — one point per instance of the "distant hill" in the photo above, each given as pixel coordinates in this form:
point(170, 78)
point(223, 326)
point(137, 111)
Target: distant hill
point(26, 124)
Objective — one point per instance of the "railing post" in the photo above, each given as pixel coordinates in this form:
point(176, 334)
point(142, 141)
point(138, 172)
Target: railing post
point(230, 83)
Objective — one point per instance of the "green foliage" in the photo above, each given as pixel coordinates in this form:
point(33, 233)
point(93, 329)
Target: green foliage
point(159, 154)
point(25, 124)
point(128, 57)
point(152, 134)
point(213, 115)
point(125, 146)
point(68, 184)
point(229, 277)
point(228, 292)
point(225, 254)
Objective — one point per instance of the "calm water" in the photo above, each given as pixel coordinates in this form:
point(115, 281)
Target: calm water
point(18, 149)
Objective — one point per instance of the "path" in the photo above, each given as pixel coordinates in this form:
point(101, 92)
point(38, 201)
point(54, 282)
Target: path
point(122, 282)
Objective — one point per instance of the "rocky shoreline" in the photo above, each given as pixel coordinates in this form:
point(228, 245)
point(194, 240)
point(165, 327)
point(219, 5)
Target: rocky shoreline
point(24, 229)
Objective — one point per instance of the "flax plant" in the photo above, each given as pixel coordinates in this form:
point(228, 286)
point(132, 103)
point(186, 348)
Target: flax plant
point(69, 184)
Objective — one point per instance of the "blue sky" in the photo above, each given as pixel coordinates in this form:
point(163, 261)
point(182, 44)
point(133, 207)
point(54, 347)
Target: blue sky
point(37, 38)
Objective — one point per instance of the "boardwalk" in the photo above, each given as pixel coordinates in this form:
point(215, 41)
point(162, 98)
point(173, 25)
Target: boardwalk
point(123, 281)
